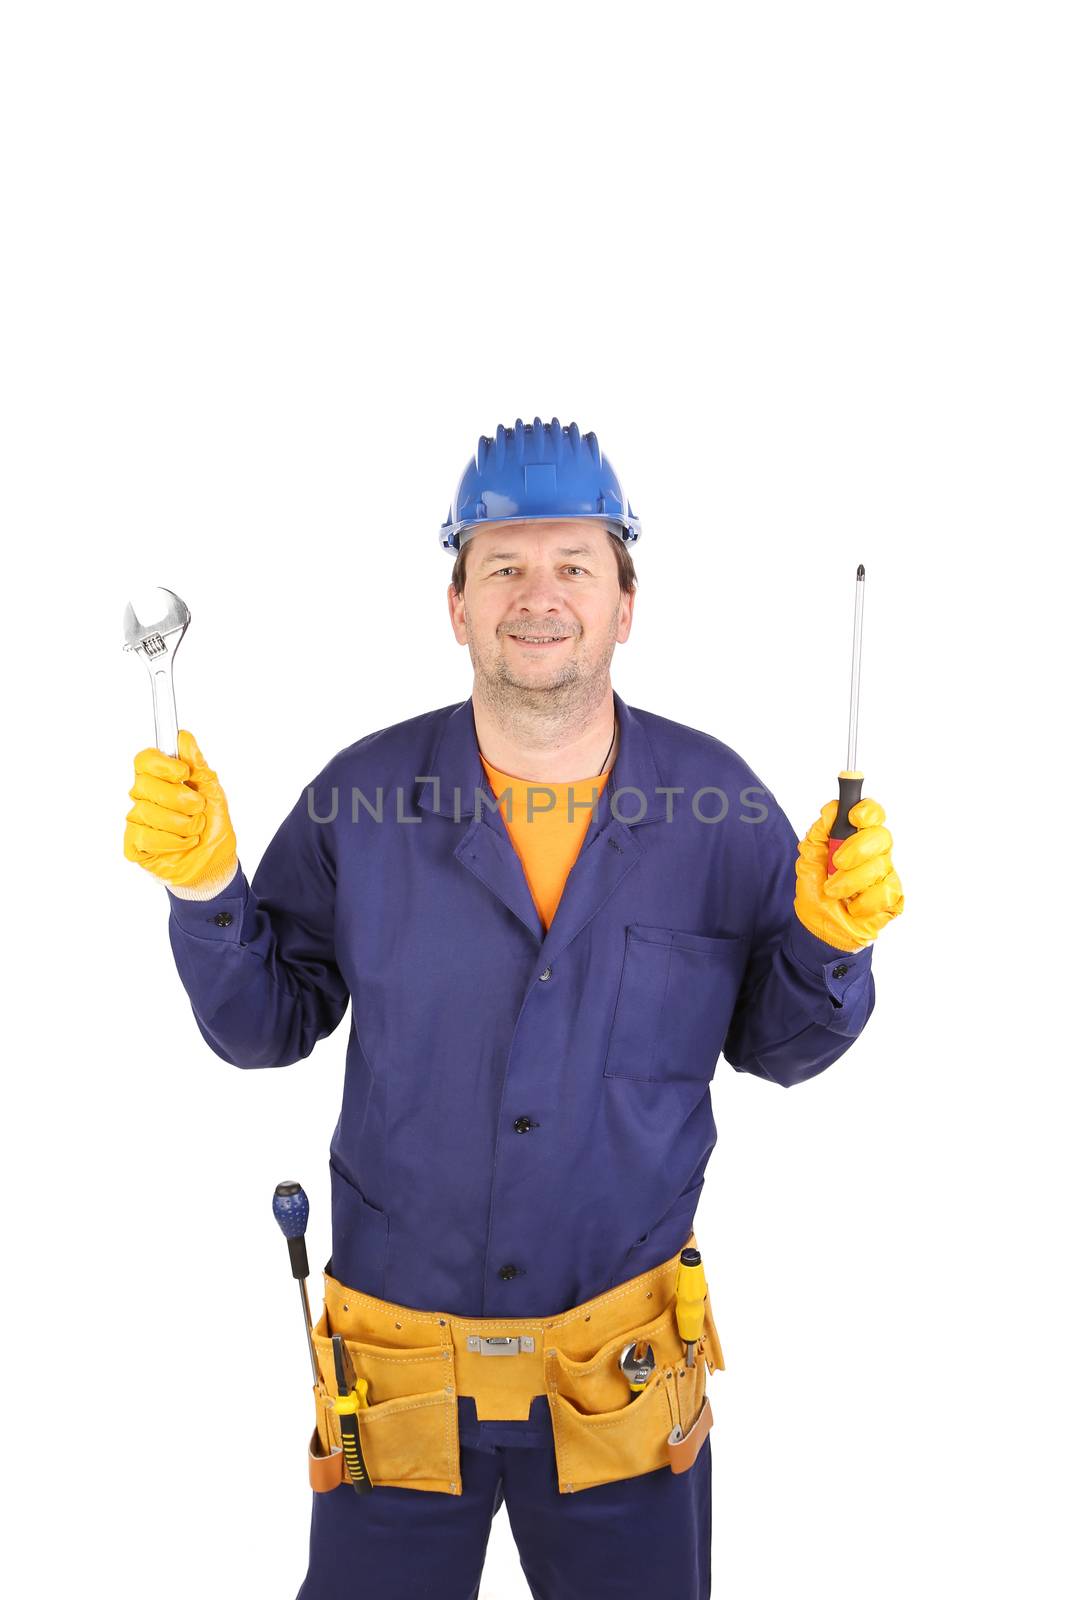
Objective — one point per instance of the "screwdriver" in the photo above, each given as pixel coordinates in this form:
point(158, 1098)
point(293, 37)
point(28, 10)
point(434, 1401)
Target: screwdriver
point(849, 782)
point(689, 1295)
point(291, 1211)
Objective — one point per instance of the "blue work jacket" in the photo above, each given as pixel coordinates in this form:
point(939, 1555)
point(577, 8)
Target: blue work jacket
point(526, 1117)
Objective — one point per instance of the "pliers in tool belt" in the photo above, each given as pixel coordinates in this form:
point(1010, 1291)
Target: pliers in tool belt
point(350, 1398)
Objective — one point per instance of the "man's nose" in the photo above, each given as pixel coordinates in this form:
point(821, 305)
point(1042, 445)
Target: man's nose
point(539, 591)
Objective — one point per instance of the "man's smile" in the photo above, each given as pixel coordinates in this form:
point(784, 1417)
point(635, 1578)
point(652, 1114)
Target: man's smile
point(538, 642)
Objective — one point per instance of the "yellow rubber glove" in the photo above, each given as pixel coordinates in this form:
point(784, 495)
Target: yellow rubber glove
point(179, 827)
point(850, 907)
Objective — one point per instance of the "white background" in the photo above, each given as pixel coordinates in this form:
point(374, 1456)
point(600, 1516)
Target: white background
point(270, 270)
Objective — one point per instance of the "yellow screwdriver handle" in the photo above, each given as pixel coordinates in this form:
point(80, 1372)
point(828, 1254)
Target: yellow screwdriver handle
point(689, 1295)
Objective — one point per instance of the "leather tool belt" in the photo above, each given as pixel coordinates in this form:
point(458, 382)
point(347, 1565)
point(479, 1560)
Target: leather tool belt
point(417, 1362)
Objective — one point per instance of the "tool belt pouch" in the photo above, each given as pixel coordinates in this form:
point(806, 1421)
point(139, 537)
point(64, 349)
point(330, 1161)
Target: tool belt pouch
point(602, 1431)
point(409, 1434)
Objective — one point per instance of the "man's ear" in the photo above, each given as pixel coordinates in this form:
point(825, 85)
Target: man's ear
point(457, 613)
point(626, 617)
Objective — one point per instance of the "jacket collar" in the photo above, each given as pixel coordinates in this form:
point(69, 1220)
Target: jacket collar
point(609, 850)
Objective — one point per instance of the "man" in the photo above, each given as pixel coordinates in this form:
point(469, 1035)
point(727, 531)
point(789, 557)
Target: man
point(551, 912)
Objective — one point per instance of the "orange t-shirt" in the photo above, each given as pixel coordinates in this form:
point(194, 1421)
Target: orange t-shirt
point(546, 842)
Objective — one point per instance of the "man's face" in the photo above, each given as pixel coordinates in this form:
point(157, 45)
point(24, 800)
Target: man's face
point(541, 581)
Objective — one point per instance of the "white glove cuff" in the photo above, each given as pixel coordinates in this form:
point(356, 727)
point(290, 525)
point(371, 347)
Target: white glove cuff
point(204, 891)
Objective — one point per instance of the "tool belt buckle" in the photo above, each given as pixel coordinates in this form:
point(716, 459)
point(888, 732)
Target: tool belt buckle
point(512, 1344)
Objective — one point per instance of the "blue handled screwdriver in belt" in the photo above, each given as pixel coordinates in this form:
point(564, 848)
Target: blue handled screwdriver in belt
point(291, 1210)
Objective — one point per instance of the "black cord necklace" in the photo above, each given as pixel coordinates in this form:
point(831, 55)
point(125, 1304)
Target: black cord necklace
point(611, 746)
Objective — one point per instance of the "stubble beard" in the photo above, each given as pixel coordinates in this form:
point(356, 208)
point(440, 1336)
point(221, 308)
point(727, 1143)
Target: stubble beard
point(566, 699)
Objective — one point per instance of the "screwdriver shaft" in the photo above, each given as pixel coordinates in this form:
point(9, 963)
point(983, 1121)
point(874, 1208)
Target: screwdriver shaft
point(307, 1329)
point(857, 650)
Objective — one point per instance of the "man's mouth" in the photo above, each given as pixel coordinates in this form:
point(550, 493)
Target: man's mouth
point(535, 642)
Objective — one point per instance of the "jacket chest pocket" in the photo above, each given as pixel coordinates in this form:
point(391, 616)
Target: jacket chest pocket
point(676, 998)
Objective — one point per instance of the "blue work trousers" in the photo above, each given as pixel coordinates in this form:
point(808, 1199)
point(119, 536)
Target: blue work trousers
point(643, 1536)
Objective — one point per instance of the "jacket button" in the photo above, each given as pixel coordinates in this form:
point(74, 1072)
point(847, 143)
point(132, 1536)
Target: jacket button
point(508, 1272)
point(222, 919)
point(546, 974)
point(839, 972)
point(522, 1124)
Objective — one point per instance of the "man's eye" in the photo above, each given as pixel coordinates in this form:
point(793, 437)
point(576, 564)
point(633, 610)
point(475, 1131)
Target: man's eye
point(500, 570)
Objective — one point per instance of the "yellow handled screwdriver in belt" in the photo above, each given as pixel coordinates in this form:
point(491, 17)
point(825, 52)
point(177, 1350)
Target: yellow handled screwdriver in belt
point(689, 1296)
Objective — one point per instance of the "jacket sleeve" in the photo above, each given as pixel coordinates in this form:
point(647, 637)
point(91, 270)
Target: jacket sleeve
point(258, 961)
point(801, 1001)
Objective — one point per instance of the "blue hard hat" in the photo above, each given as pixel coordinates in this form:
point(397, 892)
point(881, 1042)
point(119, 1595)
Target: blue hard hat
point(533, 472)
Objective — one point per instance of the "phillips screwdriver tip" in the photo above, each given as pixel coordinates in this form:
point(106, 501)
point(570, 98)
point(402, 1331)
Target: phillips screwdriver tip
point(860, 574)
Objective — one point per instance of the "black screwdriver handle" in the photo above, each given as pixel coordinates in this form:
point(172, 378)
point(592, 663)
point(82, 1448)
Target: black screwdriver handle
point(849, 790)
